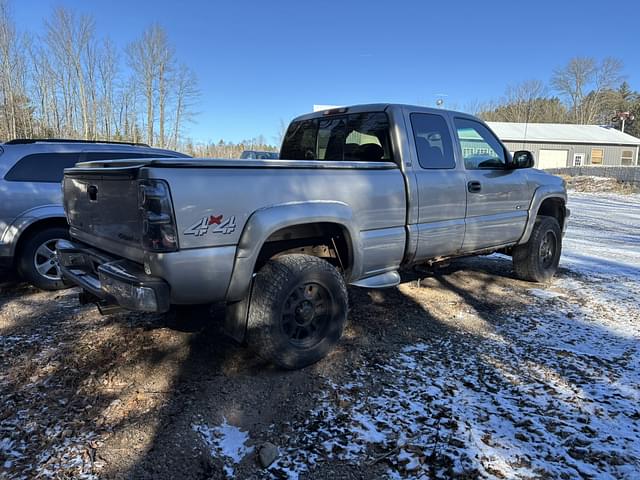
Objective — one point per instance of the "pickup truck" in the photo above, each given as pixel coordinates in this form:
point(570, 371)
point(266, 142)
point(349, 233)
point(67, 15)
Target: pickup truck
point(358, 194)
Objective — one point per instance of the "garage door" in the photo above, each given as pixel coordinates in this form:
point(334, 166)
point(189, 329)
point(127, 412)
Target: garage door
point(552, 159)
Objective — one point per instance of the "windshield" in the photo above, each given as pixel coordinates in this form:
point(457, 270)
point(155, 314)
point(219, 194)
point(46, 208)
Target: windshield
point(353, 137)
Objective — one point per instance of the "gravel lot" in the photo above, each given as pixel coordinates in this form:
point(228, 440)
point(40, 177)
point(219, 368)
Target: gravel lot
point(462, 372)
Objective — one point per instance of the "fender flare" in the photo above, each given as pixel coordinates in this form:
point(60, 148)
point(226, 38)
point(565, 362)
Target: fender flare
point(27, 218)
point(266, 221)
point(540, 195)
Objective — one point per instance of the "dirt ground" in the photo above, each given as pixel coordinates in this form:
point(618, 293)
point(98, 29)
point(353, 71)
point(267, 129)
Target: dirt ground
point(445, 376)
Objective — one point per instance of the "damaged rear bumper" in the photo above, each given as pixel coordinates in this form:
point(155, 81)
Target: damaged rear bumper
point(112, 281)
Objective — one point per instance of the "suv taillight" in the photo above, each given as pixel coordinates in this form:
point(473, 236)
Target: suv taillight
point(158, 223)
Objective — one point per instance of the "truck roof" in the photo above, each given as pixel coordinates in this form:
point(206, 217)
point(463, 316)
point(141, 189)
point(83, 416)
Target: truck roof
point(374, 107)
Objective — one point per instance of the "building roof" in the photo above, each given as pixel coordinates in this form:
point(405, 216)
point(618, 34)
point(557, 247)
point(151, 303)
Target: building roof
point(561, 133)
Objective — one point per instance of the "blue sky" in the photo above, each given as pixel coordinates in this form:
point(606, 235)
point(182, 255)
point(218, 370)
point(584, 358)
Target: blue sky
point(260, 62)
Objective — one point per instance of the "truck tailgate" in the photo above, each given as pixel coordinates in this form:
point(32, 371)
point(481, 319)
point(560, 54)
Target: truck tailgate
point(103, 206)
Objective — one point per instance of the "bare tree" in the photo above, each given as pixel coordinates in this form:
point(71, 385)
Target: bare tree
point(166, 67)
point(153, 60)
point(108, 72)
point(71, 41)
point(585, 83)
point(143, 60)
point(12, 65)
point(68, 83)
point(187, 93)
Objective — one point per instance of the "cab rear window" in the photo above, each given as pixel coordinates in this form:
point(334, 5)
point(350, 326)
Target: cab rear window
point(353, 137)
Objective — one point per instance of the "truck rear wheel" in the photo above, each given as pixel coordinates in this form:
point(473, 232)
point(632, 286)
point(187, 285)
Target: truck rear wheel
point(537, 260)
point(37, 262)
point(298, 310)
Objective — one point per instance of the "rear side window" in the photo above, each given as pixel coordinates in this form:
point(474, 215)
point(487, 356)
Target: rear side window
point(433, 141)
point(49, 167)
point(42, 167)
point(353, 137)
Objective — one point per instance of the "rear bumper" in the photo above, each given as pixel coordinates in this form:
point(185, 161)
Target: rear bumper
point(112, 281)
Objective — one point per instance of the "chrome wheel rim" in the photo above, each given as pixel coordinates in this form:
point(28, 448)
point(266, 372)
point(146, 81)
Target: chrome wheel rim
point(46, 262)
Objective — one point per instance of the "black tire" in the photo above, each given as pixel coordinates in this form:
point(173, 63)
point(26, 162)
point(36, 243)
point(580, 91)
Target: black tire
point(297, 312)
point(30, 256)
point(537, 260)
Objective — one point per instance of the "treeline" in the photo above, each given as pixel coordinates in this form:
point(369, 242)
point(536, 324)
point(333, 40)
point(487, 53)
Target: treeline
point(68, 83)
point(224, 149)
point(584, 91)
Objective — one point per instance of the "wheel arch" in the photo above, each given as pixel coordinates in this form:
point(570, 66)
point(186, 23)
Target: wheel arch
point(549, 202)
point(287, 227)
point(22, 228)
point(553, 207)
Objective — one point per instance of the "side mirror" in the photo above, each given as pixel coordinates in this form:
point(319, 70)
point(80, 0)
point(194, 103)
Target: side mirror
point(522, 159)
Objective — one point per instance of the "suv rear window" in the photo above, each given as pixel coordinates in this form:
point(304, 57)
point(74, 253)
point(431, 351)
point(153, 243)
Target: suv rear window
point(353, 137)
point(49, 167)
point(42, 167)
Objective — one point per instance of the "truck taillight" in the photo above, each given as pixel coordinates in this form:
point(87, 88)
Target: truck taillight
point(158, 222)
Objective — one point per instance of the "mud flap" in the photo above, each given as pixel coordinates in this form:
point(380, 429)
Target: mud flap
point(236, 317)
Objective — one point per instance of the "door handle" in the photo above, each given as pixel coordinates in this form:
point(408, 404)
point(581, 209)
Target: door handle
point(474, 187)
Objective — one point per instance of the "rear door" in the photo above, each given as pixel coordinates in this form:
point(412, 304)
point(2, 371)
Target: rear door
point(34, 181)
point(441, 188)
point(497, 198)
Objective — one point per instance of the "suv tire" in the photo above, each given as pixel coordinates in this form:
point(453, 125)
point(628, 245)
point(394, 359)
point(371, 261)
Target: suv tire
point(297, 311)
point(537, 260)
point(37, 263)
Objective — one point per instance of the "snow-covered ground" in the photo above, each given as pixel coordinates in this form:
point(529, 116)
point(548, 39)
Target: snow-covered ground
point(554, 392)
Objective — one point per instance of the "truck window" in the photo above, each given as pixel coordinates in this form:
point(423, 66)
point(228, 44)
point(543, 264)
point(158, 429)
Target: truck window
point(480, 148)
point(433, 141)
point(352, 137)
point(331, 137)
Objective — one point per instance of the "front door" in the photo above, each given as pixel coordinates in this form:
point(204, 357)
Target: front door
point(497, 198)
point(441, 188)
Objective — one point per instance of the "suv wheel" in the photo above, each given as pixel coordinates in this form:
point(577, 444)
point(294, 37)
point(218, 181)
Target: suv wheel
point(537, 260)
point(298, 310)
point(37, 262)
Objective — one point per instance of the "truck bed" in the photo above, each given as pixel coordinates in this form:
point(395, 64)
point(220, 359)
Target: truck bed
point(372, 195)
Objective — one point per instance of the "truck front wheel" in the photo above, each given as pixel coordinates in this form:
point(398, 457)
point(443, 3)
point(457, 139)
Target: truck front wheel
point(537, 260)
point(298, 310)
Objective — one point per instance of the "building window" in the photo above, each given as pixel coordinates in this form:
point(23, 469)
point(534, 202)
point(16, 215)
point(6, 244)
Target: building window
point(578, 159)
point(597, 154)
point(627, 157)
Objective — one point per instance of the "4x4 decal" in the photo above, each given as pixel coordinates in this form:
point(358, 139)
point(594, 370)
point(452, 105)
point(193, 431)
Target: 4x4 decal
point(217, 222)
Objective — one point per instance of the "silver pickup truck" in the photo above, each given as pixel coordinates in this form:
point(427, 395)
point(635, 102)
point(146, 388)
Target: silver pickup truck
point(357, 194)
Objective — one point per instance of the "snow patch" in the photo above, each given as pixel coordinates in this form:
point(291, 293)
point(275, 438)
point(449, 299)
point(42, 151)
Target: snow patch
point(226, 441)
